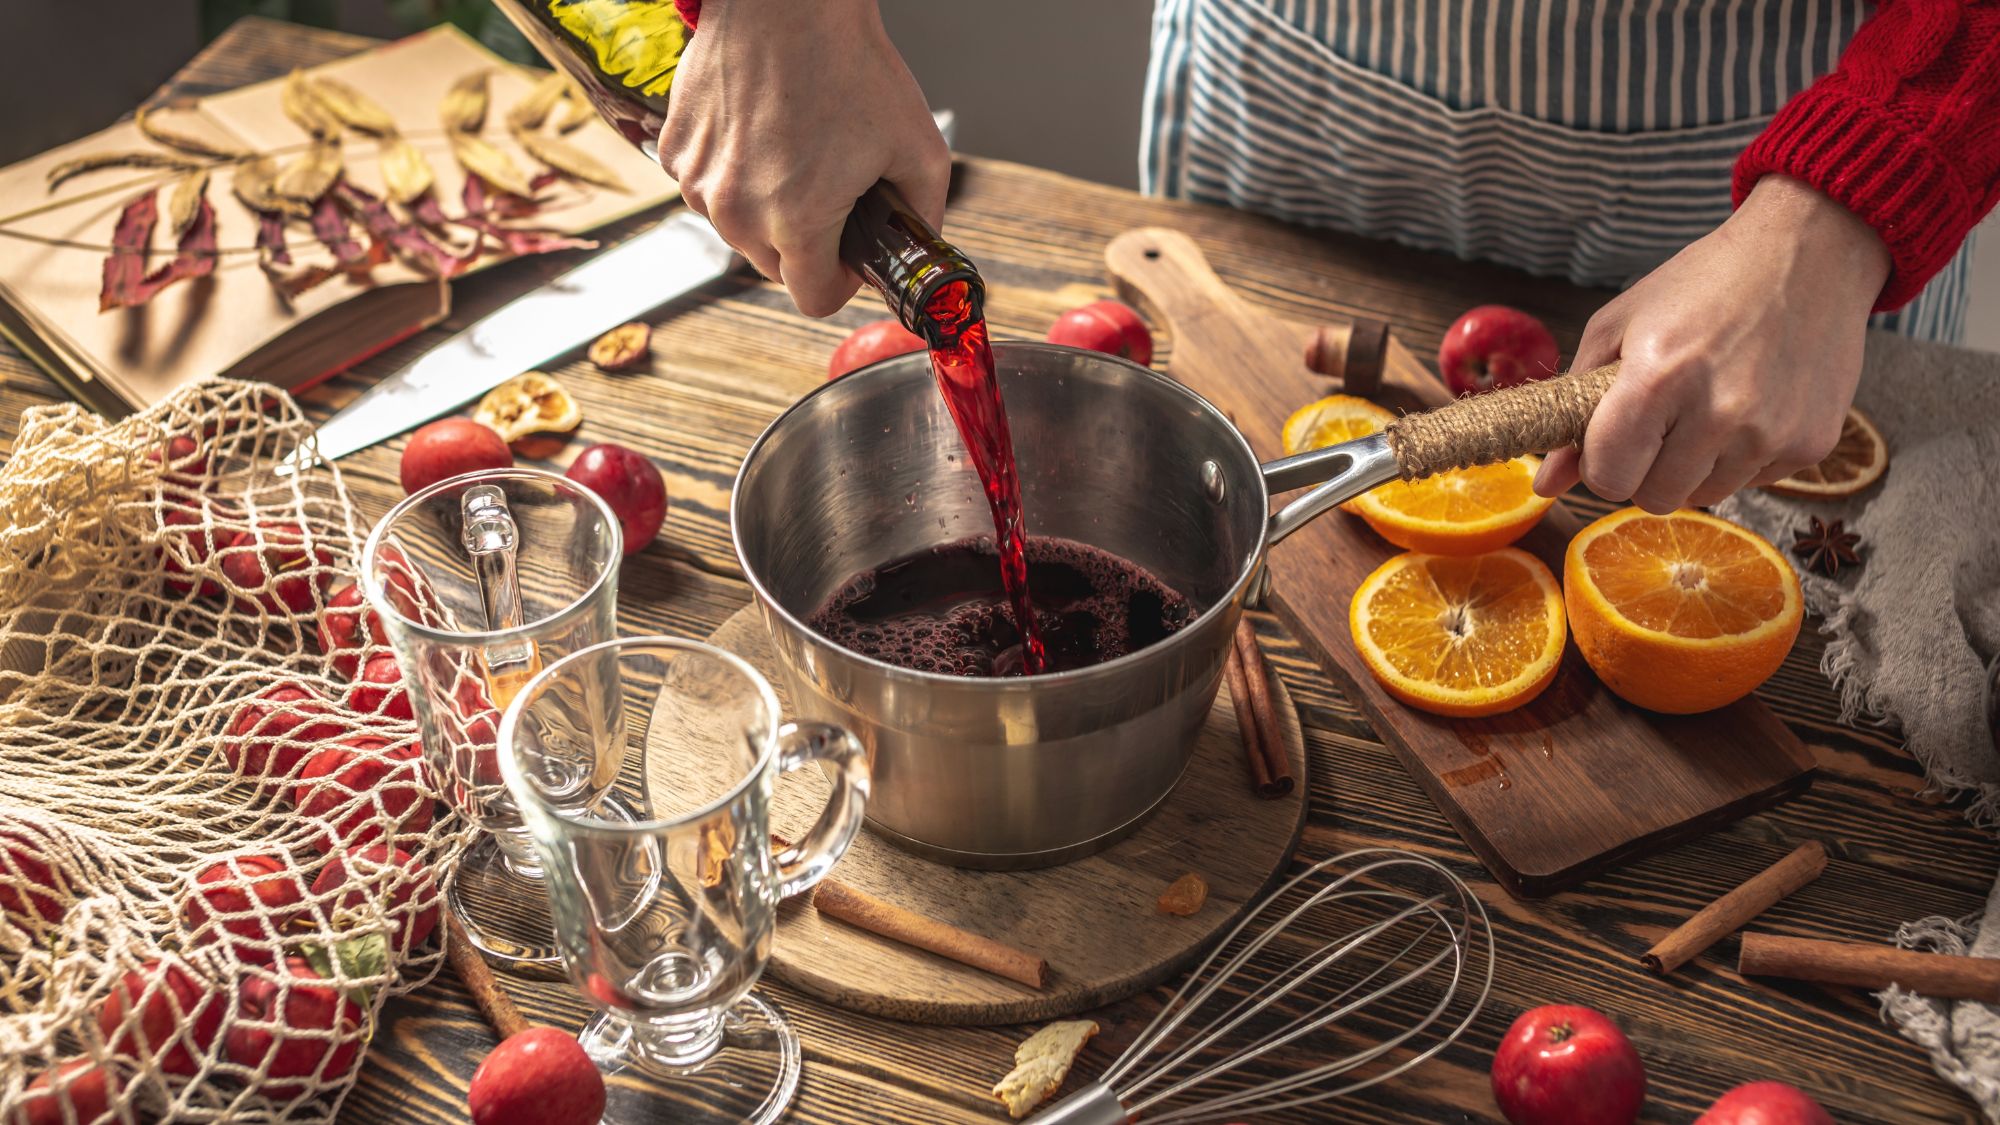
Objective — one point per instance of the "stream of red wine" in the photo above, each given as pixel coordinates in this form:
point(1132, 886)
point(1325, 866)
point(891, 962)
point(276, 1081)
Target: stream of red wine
point(962, 360)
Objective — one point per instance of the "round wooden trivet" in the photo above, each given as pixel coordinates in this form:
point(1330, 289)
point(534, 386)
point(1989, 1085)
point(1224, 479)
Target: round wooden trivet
point(1093, 920)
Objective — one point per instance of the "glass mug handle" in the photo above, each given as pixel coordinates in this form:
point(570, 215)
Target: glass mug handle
point(802, 744)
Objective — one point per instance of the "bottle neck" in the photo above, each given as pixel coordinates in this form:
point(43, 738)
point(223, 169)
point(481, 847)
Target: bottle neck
point(902, 258)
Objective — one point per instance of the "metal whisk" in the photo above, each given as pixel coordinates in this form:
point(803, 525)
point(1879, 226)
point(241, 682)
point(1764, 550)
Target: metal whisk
point(1372, 936)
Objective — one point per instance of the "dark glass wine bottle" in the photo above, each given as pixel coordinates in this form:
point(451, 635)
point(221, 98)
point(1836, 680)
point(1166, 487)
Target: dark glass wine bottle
point(624, 54)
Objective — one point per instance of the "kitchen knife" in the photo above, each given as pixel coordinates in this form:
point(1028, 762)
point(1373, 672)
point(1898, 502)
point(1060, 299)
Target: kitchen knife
point(681, 253)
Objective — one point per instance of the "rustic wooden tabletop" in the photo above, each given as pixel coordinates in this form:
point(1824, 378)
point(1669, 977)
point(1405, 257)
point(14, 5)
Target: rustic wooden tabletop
point(730, 357)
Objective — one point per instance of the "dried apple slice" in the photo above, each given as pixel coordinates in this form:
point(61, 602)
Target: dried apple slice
point(529, 403)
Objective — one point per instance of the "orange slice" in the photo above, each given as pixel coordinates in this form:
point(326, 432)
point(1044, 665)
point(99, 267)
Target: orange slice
point(1462, 512)
point(1460, 636)
point(1857, 461)
point(1330, 421)
point(1679, 613)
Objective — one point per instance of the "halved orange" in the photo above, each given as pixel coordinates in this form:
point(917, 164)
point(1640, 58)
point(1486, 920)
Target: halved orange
point(1679, 613)
point(1857, 461)
point(1460, 636)
point(1461, 512)
point(1330, 421)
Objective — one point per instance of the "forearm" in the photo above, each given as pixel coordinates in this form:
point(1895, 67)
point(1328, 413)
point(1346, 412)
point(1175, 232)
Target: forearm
point(1904, 134)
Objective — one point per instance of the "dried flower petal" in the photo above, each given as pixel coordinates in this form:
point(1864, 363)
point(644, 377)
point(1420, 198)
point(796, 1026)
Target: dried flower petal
point(1184, 896)
point(149, 123)
point(271, 239)
point(428, 211)
point(481, 158)
point(331, 227)
point(309, 176)
point(407, 240)
point(124, 284)
point(354, 108)
point(623, 348)
point(531, 111)
point(96, 160)
point(568, 159)
point(304, 108)
point(405, 173)
point(189, 191)
point(464, 106)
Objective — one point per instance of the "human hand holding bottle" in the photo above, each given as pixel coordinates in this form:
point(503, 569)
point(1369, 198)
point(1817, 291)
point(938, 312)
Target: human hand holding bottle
point(1738, 356)
point(782, 115)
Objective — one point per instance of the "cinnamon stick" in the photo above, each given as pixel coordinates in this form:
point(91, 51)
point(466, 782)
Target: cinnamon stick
point(1270, 738)
point(1940, 976)
point(1246, 722)
point(857, 908)
point(477, 976)
point(1729, 913)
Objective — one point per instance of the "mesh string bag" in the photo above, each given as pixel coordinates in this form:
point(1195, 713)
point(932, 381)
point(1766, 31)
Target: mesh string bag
point(220, 846)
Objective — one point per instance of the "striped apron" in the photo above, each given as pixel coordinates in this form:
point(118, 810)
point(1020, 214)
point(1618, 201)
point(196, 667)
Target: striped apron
point(1586, 139)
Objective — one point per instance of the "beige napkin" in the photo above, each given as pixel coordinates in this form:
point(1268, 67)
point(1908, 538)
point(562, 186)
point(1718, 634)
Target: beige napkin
point(1912, 630)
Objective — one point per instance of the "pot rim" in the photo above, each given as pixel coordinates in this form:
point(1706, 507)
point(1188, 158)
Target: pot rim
point(1109, 669)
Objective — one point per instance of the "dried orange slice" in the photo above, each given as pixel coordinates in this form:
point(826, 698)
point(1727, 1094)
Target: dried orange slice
point(529, 403)
point(1460, 636)
point(1857, 461)
point(1330, 421)
point(1462, 512)
point(1679, 613)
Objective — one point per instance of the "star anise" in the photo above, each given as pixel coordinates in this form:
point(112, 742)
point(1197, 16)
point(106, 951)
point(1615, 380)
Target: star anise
point(1826, 547)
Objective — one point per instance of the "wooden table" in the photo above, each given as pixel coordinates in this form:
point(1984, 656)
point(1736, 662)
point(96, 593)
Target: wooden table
point(728, 359)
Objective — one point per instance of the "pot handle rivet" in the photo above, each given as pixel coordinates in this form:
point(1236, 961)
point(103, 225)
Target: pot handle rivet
point(1211, 481)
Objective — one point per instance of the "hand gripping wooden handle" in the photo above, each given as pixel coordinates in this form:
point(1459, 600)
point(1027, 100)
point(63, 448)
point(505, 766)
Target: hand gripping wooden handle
point(1485, 429)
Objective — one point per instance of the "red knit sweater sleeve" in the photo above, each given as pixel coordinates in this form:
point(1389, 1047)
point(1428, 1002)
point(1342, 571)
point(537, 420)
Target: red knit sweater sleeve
point(1905, 133)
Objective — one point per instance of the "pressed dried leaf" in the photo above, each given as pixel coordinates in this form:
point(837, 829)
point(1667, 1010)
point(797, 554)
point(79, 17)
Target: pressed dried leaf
point(406, 239)
point(1184, 897)
point(303, 106)
point(255, 184)
point(464, 106)
point(141, 159)
point(331, 227)
point(354, 108)
point(1041, 1063)
point(429, 211)
point(568, 159)
point(579, 110)
point(518, 241)
point(405, 172)
point(482, 159)
point(271, 239)
point(126, 284)
point(622, 348)
point(189, 191)
point(309, 176)
point(531, 111)
point(150, 123)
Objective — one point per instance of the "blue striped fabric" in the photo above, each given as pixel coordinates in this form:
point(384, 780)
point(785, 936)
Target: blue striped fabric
point(1588, 139)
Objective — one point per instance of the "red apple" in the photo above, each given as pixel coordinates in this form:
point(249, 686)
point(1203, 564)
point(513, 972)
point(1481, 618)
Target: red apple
point(270, 735)
point(263, 1032)
point(347, 626)
point(272, 563)
point(540, 1076)
point(355, 868)
point(1765, 1103)
point(253, 897)
point(79, 1084)
point(1105, 326)
point(176, 1016)
point(448, 447)
point(190, 544)
point(1567, 1065)
point(29, 888)
point(362, 766)
point(1495, 346)
point(185, 463)
point(872, 343)
point(630, 485)
point(379, 689)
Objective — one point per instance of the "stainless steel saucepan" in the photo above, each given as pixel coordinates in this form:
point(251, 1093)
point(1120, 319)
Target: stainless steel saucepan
point(1015, 773)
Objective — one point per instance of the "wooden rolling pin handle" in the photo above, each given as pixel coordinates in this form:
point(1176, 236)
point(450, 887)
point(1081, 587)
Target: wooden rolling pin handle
point(1488, 428)
point(1353, 353)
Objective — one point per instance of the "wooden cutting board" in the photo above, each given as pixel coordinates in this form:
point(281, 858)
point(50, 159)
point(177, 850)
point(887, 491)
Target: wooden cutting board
point(1573, 783)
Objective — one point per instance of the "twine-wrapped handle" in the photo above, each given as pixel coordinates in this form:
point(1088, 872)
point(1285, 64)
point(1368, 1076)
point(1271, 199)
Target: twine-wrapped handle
point(1532, 418)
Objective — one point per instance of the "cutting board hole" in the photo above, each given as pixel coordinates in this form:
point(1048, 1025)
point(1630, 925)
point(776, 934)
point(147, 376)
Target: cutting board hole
point(1152, 252)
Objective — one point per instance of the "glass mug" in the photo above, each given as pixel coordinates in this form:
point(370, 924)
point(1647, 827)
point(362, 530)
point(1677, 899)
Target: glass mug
point(666, 920)
point(479, 581)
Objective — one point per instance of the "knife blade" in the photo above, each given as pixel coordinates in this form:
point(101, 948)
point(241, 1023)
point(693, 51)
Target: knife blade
point(680, 253)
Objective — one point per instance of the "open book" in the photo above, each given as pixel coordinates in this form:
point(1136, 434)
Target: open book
point(236, 322)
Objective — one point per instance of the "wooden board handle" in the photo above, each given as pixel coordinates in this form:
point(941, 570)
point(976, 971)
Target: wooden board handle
point(1164, 273)
point(1484, 429)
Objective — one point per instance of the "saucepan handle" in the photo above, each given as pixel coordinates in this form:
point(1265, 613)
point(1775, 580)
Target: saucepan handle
point(1479, 430)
